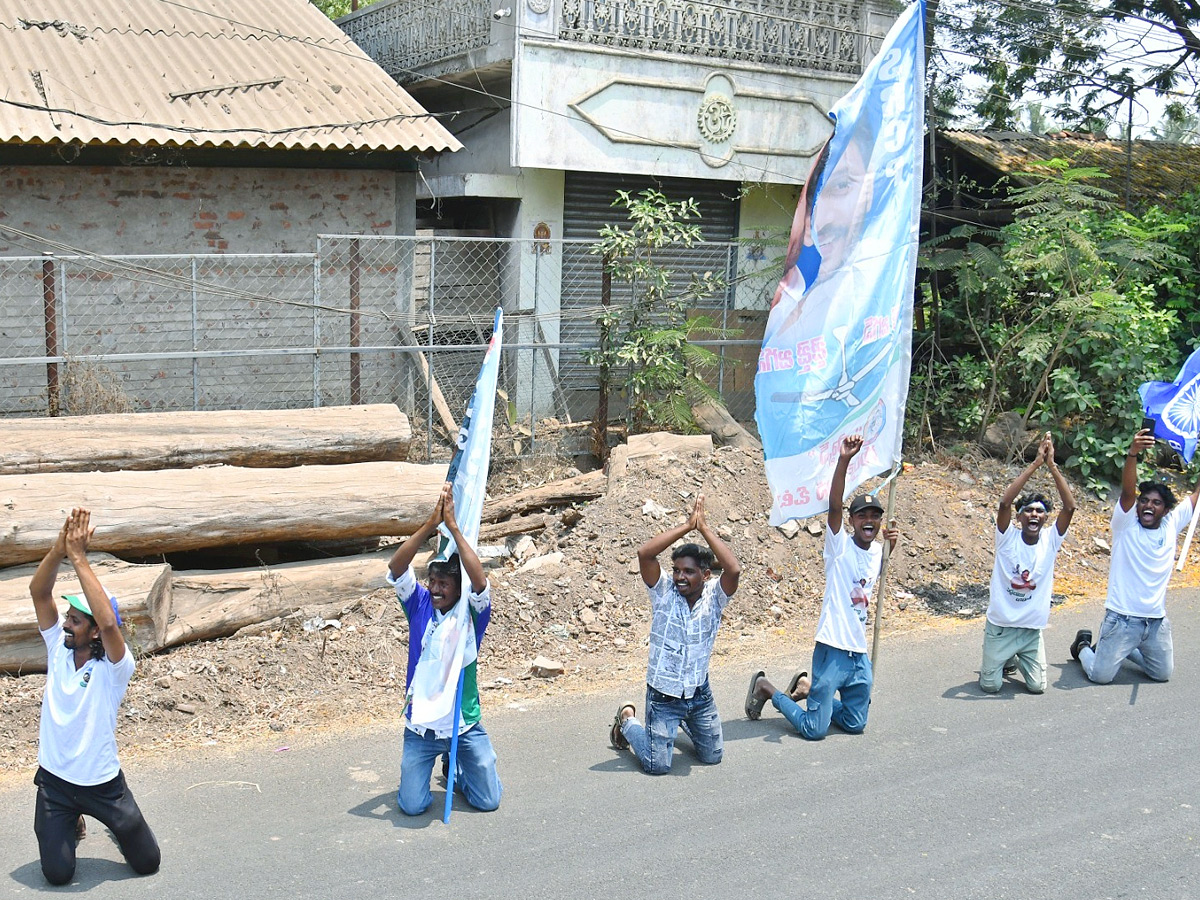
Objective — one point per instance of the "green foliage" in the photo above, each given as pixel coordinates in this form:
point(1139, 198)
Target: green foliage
point(335, 9)
point(1056, 316)
point(646, 343)
point(1087, 58)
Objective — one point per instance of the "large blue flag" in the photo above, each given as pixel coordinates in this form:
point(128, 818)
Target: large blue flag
point(1175, 407)
point(837, 350)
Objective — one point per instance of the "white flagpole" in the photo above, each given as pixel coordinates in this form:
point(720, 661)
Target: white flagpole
point(1187, 541)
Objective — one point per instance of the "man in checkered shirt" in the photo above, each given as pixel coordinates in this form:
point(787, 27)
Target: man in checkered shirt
point(686, 608)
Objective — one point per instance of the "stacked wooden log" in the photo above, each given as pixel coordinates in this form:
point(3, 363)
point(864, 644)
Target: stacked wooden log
point(163, 483)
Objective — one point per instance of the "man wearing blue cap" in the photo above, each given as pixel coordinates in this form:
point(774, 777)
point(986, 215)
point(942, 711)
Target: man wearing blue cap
point(88, 668)
point(840, 664)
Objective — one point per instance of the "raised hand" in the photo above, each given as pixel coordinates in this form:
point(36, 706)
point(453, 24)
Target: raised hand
point(696, 520)
point(851, 444)
point(1143, 440)
point(78, 532)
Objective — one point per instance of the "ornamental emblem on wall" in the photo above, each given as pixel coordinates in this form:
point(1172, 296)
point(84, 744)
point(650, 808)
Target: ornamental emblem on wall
point(539, 7)
point(716, 119)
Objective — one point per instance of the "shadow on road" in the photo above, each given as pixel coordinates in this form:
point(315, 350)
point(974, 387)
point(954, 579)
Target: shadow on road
point(89, 872)
point(383, 808)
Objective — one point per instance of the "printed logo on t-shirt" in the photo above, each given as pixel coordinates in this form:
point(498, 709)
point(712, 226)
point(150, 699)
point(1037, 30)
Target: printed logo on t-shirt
point(859, 599)
point(1021, 583)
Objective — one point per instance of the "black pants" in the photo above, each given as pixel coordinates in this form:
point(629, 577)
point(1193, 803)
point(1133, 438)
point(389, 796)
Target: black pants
point(59, 805)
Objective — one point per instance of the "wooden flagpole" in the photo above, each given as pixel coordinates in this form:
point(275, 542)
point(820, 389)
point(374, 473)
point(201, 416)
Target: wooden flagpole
point(887, 553)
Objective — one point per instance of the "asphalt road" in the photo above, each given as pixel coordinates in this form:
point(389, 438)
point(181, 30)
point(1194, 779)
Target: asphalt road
point(1084, 792)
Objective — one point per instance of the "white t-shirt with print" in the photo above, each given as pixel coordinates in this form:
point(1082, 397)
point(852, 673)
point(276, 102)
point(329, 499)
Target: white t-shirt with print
point(77, 739)
point(1023, 578)
point(1142, 559)
point(850, 576)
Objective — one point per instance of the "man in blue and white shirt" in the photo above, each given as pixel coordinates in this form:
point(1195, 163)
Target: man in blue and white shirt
point(686, 608)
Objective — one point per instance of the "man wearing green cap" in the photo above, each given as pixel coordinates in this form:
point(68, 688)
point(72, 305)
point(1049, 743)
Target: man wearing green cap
point(88, 668)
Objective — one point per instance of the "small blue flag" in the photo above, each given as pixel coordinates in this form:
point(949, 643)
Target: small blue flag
point(1175, 407)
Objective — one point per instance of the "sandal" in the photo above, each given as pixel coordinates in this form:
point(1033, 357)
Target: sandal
point(615, 737)
point(791, 688)
point(754, 705)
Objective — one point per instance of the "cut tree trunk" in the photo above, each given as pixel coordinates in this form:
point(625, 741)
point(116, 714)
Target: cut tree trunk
point(212, 604)
point(588, 486)
point(147, 513)
point(715, 419)
point(143, 597)
point(181, 440)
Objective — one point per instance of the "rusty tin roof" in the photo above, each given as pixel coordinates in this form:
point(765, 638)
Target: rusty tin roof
point(1159, 170)
point(272, 74)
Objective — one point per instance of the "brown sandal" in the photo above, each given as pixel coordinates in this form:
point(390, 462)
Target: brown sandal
point(615, 737)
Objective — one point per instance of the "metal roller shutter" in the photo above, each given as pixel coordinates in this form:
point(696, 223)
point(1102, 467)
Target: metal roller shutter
point(587, 207)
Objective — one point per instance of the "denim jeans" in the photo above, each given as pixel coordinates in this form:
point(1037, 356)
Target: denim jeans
point(1004, 642)
point(654, 744)
point(843, 672)
point(1144, 642)
point(476, 770)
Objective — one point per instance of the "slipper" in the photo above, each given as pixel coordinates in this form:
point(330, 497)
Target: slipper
point(754, 705)
point(791, 689)
point(615, 737)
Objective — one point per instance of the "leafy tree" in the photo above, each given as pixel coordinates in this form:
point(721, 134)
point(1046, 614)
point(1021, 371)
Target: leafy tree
point(1178, 124)
point(1056, 316)
point(1091, 58)
point(645, 346)
point(335, 9)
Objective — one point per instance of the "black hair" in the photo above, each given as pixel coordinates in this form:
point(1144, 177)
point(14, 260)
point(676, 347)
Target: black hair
point(1168, 496)
point(450, 568)
point(702, 555)
point(95, 645)
point(1036, 497)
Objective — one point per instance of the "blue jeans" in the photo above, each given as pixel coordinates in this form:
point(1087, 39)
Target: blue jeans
point(654, 744)
point(1144, 642)
point(837, 671)
point(476, 770)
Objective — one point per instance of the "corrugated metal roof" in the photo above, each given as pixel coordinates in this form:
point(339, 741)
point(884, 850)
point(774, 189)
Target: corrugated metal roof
point(1159, 171)
point(198, 73)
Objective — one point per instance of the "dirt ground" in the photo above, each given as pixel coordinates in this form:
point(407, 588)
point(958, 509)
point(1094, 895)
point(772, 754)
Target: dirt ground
point(587, 610)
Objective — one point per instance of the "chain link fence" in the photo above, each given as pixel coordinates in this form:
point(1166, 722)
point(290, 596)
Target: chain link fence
point(364, 319)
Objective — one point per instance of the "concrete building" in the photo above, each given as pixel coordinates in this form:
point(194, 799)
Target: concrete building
point(560, 103)
point(142, 128)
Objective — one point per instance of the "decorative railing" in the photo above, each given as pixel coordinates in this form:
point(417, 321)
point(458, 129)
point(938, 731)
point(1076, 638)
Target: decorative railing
point(407, 34)
point(813, 34)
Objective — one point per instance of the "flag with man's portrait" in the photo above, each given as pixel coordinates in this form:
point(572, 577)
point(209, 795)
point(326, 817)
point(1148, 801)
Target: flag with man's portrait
point(837, 348)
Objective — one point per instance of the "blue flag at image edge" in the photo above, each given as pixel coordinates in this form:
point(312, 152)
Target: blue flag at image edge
point(837, 348)
point(1175, 407)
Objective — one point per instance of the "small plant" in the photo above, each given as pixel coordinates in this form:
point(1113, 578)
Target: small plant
point(89, 389)
point(645, 346)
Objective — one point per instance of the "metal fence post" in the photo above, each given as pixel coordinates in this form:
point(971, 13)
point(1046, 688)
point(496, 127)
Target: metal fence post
point(533, 354)
point(431, 381)
point(316, 310)
point(195, 343)
point(355, 321)
point(50, 314)
point(730, 263)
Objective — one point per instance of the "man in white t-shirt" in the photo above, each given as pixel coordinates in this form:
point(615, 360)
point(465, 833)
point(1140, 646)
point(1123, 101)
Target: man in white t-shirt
point(840, 664)
point(1145, 525)
point(1023, 577)
point(88, 668)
